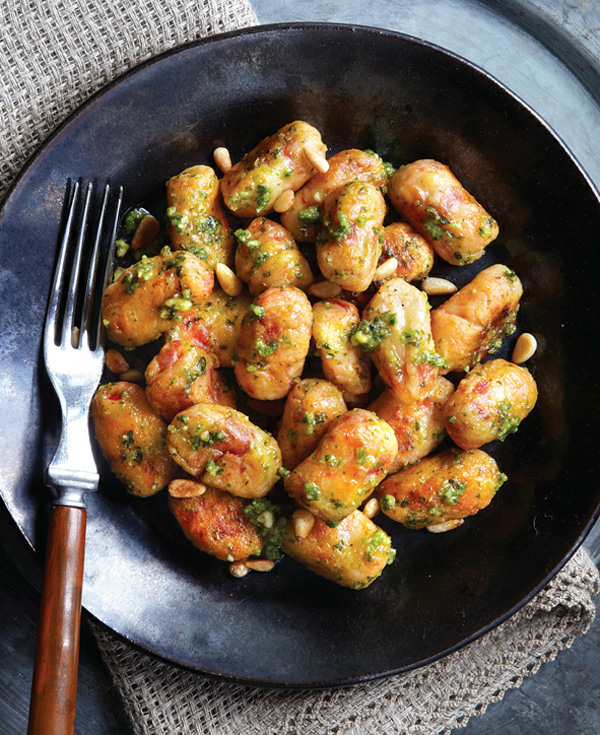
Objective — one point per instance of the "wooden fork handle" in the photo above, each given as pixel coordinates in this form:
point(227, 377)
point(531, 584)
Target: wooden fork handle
point(54, 685)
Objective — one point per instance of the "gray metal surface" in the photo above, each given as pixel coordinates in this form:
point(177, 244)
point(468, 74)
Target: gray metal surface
point(547, 52)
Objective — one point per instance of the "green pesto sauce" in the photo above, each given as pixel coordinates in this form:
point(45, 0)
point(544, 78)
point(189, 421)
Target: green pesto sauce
point(213, 468)
point(310, 215)
point(263, 197)
point(142, 271)
point(343, 229)
point(387, 502)
point(207, 439)
point(452, 491)
point(433, 224)
point(270, 520)
point(367, 334)
point(508, 422)
point(312, 491)
point(265, 349)
point(311, 420)
point(132, 453)
point(132, 220)
point(179, 221)
point(256, 312)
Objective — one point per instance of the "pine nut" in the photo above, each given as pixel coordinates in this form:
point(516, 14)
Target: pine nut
point(228, 281)
point(186, 488)
point(371, 507)
point(302, 523)
point(115, 362)
point(317, 160)
point(386, 269)
point(284, 201)
point(222, 158)
point(525, 348)
point(260, 565)
point(132, 376)
point(147, 230)
point(325, 290)
point(438, 286)
point(238, 569)
point(445, 526)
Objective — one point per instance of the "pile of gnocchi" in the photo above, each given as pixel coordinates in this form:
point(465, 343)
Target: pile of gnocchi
point(296, 381)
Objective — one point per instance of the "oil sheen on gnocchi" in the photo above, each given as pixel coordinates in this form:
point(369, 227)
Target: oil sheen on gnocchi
point(314, 403)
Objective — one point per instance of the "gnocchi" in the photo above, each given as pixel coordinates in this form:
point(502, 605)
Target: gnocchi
point(295, 380)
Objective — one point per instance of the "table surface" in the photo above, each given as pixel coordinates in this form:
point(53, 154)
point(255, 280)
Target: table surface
point(548, 53)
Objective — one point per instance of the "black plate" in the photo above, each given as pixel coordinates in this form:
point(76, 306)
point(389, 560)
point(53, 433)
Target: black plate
point(405, 99)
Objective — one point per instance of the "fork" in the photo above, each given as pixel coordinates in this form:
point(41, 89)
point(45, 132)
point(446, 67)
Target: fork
point(74, 359)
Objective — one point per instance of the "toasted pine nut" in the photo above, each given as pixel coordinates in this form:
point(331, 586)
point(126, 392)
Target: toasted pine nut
point(317, 159)
point(284, 202)
point(260, 565)
point(386, 269)
point(186, 488)
point(228, 281)
point(238, 569)
point(445, 526)
point(325, 290)
point(302, 522)
point(132, 376)
point(371, 507)
point(147, 230)
point(525, 348)
point(115, 362)
point(438, 286)
point(222, 158)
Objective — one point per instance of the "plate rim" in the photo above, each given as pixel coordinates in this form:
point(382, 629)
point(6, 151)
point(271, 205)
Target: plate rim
point(311, 27)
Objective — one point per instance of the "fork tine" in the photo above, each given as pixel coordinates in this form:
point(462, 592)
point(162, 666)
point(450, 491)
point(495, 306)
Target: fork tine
point(71, 300)
point(58, 280)
point(108, 265)
point(73, 313)
point(91, 321)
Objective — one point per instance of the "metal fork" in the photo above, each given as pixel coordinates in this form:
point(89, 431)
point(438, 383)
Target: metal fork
point(74, 359)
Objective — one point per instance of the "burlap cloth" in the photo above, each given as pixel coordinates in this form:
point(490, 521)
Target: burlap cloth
point(53, 55)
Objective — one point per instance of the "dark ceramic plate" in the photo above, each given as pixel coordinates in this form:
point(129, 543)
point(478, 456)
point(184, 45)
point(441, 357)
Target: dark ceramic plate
point(405, 99)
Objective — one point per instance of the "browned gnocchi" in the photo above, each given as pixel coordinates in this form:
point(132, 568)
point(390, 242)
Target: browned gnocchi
point(420, 426)
point(439, 492)
point(273, 343)
point(310, 407)
point(397, 332)
point(303, 218)
point(148, 297)
point(343, 363)
point(351, 459)
point(267, 255)
point(489, 403)
point(413, 254)
point(197, 218)
point(132, 438)
point(183, 374)
point(215, 324)
point(472, 323)
point(215, 523)
point(352, 553)
point(281, 162)
point(222, 447)
point(350, 242)
point(298, 389)
point(433, 201)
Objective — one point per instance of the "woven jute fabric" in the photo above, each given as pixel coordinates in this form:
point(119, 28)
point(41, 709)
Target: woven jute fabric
point(164, 700)
point(53, 55)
